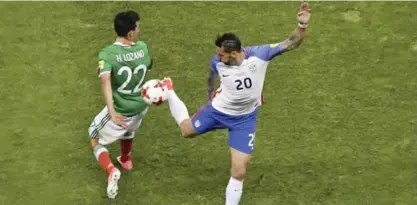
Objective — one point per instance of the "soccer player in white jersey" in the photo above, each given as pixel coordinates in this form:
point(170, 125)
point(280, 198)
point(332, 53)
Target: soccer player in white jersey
point(235, 106)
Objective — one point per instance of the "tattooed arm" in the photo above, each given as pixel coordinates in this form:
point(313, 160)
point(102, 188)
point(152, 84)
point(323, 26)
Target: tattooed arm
point(211, 81)
point(295, 39)
point(268, 52)
point(297, 36)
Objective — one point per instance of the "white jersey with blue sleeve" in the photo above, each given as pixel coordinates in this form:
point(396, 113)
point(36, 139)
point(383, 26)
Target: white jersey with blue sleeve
point(241, 86)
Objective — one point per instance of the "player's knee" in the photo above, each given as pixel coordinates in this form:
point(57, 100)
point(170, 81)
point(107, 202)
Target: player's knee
point(240, 162)
point(187, 129)
point(239, 172)
point(94, 142)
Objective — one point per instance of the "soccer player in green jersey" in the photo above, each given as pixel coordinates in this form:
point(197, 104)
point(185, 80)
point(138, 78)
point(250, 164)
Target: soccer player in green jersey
point(122, 68)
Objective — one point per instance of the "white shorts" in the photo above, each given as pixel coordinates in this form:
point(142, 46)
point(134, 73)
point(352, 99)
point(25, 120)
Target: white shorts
point(108, 132)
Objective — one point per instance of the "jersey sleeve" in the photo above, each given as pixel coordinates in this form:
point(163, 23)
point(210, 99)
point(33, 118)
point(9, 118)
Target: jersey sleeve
point(265, 52)
point(150, 65)
point(103, 65)
point(213, 63)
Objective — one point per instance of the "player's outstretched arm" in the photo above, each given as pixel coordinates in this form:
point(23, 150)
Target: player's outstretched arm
point(296, 38)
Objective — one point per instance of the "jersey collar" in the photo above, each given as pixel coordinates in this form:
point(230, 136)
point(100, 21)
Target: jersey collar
point(124, 44)
point(246, 51)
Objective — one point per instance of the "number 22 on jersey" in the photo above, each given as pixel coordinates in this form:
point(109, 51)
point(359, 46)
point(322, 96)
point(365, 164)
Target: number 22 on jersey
point(137, 88)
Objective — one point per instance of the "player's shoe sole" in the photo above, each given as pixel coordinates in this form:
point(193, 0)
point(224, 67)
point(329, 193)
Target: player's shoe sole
point(128, 165)
point(112, 183)
point(168, 83)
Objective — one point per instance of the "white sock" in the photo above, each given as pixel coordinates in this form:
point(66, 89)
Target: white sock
point(178, 109)
point(233, 191)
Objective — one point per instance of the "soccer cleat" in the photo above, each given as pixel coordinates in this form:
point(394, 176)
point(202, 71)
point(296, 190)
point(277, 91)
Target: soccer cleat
point(112, 183)
point(168, 83)
point(128, 165)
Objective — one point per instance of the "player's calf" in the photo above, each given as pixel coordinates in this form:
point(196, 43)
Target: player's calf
point(102, 155)
point(234, 188)
point(240, 163)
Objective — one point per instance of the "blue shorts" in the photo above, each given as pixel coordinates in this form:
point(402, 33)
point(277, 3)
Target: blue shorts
point(241, 127)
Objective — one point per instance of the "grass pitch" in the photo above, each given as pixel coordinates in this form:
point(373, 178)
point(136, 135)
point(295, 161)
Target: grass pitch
point(338, 126)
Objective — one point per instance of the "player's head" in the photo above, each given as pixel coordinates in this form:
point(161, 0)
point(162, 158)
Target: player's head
point(229, 48)
point(126, 25)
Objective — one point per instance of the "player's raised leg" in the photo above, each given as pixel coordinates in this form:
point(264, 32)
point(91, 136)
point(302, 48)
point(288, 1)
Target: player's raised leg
point(178, 110)
point(203, 120)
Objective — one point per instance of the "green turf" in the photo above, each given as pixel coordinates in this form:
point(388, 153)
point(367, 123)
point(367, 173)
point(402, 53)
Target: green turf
point(339, 126)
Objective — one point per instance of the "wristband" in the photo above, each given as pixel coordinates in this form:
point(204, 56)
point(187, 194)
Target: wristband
point(302, 25)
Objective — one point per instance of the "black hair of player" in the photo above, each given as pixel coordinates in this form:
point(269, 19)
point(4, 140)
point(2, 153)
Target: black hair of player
point(125, 22)
point(229, 42)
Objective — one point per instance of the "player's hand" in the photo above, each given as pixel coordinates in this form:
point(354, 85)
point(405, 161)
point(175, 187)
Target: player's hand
point(304, 13)
point(118, 119)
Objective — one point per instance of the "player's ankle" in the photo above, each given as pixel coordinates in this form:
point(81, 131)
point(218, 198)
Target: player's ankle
point(125, 158)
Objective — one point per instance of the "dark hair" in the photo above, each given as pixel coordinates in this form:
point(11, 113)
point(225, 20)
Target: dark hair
point(229, 41)
point(125, 22)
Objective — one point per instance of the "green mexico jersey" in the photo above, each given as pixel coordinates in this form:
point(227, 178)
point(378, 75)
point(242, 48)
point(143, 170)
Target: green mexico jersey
point(127, 65)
